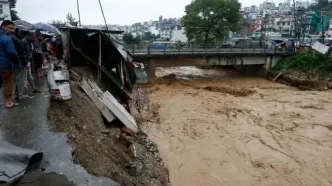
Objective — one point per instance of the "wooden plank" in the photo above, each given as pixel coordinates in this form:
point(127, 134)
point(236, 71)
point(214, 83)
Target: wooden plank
point(279, 74)
point(61, 75)
point(99, 60)
point(95, 86)
point(119, 111)
point(97, 101)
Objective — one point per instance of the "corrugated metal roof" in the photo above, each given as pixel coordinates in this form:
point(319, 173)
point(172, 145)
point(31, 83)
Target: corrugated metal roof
point(93, 30)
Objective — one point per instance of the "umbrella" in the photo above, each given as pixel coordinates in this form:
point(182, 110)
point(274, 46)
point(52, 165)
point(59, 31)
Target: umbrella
point(25, 24)
point(47, 27)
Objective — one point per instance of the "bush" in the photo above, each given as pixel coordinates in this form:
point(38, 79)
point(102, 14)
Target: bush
point(308, 61)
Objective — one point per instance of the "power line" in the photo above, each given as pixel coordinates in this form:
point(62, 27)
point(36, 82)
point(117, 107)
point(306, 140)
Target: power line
point(102, 11)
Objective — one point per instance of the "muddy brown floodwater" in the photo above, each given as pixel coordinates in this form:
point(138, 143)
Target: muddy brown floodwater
point(241, 131)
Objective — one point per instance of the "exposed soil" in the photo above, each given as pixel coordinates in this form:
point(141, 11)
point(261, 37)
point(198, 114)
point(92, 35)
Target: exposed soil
point(100, 149)
point(273, 135)
point(304, 81)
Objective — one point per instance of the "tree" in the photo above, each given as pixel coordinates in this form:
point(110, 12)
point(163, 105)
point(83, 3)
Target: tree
point(57, 23)
point(210, 20)
point(148, 36)
point(71, 19)
point(129, 39)
point(13, 12)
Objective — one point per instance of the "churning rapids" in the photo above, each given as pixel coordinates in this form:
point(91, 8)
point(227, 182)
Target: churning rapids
point(221, 129)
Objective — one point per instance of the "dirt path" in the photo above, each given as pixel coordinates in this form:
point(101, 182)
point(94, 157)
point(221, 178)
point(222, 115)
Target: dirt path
point(243, 131)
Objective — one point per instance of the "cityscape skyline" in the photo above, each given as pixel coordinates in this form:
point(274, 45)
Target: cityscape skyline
point(125, 12)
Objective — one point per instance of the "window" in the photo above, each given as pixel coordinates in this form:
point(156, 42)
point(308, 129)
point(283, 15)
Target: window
point(1, 9)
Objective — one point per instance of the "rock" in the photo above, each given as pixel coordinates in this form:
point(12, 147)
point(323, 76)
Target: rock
point(106, 132)
point(135, 168)
point(155, 182)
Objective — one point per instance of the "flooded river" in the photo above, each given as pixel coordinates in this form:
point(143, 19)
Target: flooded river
point(240, 130)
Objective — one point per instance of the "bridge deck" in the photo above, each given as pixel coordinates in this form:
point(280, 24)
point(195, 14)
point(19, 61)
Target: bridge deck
point(206, 52)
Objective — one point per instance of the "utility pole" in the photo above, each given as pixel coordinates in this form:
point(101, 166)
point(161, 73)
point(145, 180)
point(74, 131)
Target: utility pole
point(78, 11)
point(295, 21)
point(102, 11)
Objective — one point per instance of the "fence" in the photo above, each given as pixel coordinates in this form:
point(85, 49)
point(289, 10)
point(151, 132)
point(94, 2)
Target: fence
point(199, 49)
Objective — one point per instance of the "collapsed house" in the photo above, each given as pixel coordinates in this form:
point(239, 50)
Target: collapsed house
point(104, 56)
point(98, 57)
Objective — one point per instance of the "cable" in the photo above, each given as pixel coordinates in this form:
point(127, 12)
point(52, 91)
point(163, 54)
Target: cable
point(102, 11)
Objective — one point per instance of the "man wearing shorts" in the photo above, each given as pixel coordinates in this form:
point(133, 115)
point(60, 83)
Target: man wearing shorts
point(27, 39)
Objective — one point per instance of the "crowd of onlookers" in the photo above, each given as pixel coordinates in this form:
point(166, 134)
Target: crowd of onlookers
point(22, 53)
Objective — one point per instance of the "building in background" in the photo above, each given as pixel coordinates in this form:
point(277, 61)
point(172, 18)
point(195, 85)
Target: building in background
point(4, 10)
point(179, 35)
point(246, 9)
point(165, 34)
point(267, 5)
point(301, 4)
point(253, 9)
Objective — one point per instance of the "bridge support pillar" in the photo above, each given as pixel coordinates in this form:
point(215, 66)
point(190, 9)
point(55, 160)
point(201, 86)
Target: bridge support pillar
point(270, 62)
point(151, 69)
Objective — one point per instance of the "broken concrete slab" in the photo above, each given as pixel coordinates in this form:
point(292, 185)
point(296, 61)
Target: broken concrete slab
point(119, 111)
point(97, 100)
point(65, 92)
point(61, 75)
point(51, 82)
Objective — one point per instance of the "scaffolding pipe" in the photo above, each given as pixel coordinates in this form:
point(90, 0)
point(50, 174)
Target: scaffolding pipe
point(102, 11)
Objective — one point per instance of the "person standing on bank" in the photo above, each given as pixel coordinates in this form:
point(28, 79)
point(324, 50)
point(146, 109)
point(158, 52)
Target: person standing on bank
point(9, 61)
point(20, 75)
point(38, 54)
point(26, 41)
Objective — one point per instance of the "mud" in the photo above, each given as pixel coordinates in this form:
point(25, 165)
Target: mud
point(100, 149)
point(273, 135)
point(302, 80)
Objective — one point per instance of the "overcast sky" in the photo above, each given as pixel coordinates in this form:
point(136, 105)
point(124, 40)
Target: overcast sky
point(116, 11)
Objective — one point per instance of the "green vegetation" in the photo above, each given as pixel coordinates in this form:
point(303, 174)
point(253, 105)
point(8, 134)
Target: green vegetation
point(322, 5)
point(129, 39)
point(148, 36)
point(208, 21)
point(69, 19)
point(13, 12)
point(309, 61)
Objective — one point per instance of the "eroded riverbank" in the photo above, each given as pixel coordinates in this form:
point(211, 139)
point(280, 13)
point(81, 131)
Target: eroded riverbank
point(241, 131)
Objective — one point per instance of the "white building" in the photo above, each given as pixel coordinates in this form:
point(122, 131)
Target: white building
point(246, 9)
point(285, 7)
point(270, 12)
point(154, 30)
point(285, 24)
point(166, 34)
point(254, 15)
point(4, 10)
point(253, 9)
point(179, 35)
point(267, 5)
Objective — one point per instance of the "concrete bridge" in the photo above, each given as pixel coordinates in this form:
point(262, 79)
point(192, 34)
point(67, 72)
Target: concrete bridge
point(251, 61)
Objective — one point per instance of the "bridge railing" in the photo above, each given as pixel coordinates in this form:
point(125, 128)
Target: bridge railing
point(200, 49)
